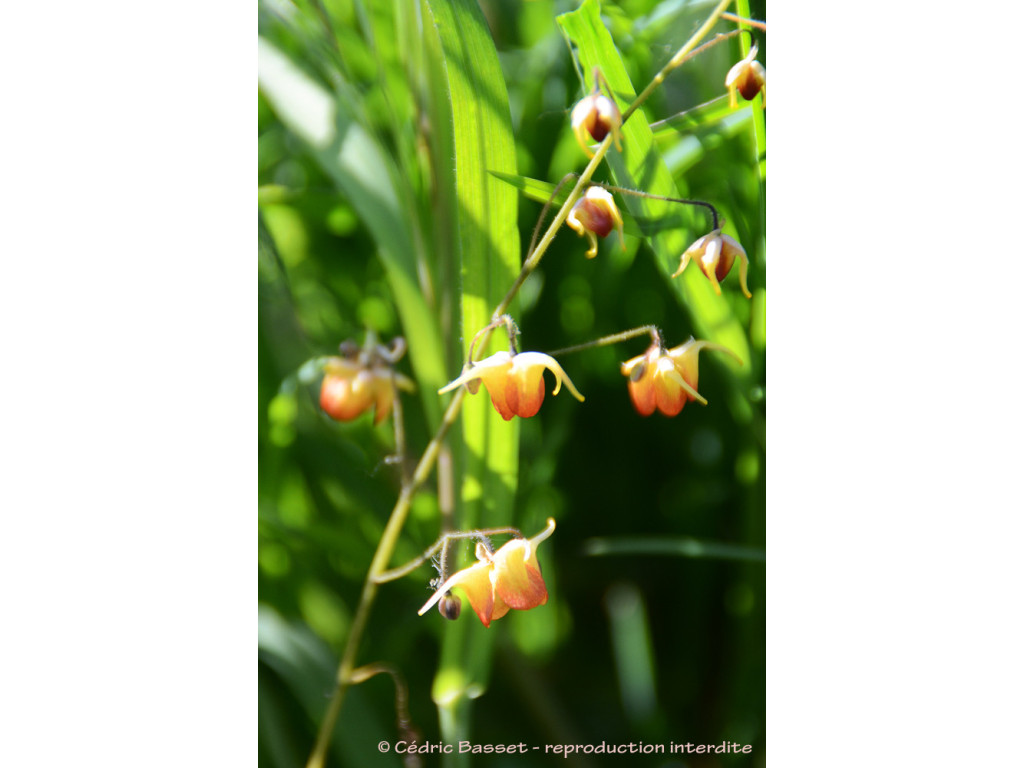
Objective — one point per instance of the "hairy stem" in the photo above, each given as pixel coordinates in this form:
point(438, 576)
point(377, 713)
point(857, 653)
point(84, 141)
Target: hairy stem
point(615, 338)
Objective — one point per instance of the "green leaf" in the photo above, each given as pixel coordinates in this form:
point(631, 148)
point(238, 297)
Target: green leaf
point(487, 246)
point(641, 166)
point(702, 116)
point(365, 174)
point(678, 547)
point(685, 138)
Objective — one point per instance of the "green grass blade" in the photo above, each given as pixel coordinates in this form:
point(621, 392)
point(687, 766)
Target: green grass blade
point(488, 250)
point(641, 166)
point(743, 9)
point(702, 116)
point(365, 174)
point(676, 547)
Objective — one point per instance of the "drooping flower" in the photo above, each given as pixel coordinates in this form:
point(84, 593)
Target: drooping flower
point(747, 77)
point(716, 253)
point(666, 379)
point(515, 382)
point(351, 387)
point(595, 213)
point(596, 114)
point(499, 581)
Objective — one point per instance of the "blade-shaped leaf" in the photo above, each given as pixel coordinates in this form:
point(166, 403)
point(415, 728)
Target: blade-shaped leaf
point(488, 251)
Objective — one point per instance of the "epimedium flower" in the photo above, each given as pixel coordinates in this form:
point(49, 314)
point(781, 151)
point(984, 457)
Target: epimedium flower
point(595, 213)
point(666, 379)
point(747, 77)
point(515, 382)
point(596, 114)
point(498, 581)
point(351, 387)
point(715, 253)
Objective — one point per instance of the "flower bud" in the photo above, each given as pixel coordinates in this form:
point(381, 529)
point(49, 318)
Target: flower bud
point(450, 606)
point(716, 253)
point(359, 381)
point(747, 77)
point(596, 114)
point(595, 214)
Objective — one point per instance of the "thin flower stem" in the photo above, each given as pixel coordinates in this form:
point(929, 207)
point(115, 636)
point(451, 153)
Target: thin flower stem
point(544, 210)
point(741, 20)
point(446, 488)
point(367, 671)
point(637, 193)
point(442, 540)
point(678, 59)
point(615, 338)
point(399, 423)
point(388, 540)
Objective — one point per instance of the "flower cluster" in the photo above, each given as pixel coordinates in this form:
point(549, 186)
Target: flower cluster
point(498, 581)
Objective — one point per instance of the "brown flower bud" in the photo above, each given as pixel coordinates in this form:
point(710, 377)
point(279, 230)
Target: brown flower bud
point(715, 253)
point(596, 114)
point(747, 77)
point(595, 214)
point(450, 606)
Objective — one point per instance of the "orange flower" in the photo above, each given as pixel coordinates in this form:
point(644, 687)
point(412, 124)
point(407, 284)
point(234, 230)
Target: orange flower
point(747, 77)
point(595, 214)
point(666, 379)
point(508, 578)
point(515, 382)
point(351, 388)
point(596, 114)
point(716, 253)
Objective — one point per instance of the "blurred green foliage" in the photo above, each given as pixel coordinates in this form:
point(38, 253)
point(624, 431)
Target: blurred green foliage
point(633, 645)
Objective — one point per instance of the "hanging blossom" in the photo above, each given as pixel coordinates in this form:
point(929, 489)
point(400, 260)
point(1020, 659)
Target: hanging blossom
point(594, 214)
point(596, 115)
point(515, 382)
point(498, 581)
point(361, 380)
point(748, 77)
point(715, 253)
point(667, 379)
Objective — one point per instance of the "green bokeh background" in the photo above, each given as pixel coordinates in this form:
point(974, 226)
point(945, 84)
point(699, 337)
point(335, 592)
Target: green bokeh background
point(631, 647)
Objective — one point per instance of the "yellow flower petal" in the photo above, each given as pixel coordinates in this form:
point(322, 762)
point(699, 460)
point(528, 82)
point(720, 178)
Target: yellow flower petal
point(483, 369)
point(516, 576)
point(475, 583)
point(535, 361)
